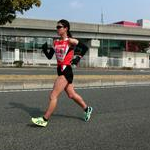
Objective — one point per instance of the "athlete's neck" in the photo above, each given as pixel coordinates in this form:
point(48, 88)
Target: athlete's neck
point(63, 37)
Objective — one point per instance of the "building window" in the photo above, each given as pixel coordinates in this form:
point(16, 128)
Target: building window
point(108, 46)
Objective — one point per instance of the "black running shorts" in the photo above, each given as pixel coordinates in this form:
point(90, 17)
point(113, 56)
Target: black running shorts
point(67, 72)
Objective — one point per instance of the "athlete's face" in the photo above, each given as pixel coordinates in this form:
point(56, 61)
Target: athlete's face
point(61, 30)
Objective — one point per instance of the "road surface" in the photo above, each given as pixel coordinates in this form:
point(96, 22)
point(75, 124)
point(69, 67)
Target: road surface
point(120, 121)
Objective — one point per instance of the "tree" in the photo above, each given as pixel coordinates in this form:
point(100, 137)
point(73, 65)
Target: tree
point(9, 8)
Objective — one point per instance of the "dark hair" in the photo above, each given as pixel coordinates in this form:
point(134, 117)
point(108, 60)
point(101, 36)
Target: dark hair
point(66, 23)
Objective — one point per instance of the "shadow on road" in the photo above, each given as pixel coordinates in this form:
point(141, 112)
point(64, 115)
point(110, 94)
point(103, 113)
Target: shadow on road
point(67, 116)
point(34, 112)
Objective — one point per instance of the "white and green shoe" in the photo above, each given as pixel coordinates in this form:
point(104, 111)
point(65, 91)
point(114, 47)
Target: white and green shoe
point(87, 114)
point(39, 121)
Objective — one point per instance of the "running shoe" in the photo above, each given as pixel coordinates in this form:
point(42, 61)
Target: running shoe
point(39, 121)
point(87, 114)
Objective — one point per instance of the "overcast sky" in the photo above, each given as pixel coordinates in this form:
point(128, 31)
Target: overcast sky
point(89, 11)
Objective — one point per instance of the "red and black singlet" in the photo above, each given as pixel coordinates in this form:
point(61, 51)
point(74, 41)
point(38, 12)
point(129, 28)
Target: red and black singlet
point(64, 53)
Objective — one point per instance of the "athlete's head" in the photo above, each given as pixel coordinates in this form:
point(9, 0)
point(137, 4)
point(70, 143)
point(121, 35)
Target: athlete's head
point(63, 26)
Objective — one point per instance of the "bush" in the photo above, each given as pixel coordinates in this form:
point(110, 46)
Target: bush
point(127, 68)
point(18, 63)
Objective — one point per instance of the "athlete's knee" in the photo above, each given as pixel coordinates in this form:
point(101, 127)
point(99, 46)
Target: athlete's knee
point(70, 96)
point(53, 96)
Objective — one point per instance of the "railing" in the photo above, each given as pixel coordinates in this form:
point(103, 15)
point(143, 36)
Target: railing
point(35, 59)
point(101, 62)
point(28, 58)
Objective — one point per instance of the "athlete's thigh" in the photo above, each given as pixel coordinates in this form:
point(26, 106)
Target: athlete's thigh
point(59, 84)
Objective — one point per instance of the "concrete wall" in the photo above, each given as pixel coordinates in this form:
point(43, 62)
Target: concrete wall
point(135, 60)
point(93, 53)
point(132, 59)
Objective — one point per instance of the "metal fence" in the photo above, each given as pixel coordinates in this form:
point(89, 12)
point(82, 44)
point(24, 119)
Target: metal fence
point(38, 58)
point(30, 58)
point(103, 62)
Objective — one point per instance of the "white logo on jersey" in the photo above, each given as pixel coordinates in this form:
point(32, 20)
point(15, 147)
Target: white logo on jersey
point(61, 51)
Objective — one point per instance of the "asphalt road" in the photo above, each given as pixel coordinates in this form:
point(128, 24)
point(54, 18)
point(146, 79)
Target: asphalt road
point(77, 71)
point(120, 121)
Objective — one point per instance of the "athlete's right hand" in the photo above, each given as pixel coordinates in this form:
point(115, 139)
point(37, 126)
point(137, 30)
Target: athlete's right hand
point(44, 46)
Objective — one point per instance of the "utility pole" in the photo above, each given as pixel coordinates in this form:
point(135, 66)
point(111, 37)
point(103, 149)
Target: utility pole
point(102, 40)
point(102, 17)
point(1, 47)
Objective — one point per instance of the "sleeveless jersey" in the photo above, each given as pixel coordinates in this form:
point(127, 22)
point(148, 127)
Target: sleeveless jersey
point(64, 54)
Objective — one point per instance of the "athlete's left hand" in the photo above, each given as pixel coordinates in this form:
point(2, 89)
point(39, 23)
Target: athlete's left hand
point(76, 60)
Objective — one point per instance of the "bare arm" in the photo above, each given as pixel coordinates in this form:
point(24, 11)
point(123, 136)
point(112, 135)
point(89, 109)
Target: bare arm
point(73, 42)
point(79, 45)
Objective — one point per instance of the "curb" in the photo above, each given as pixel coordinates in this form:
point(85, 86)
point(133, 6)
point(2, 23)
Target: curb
point(30, 82)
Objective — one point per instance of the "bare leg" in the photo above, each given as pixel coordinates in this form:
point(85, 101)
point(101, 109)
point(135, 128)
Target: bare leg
point(73, 95)
point(59, 86)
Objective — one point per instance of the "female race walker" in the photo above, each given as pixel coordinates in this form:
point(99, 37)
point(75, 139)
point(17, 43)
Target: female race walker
point(64, 51)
